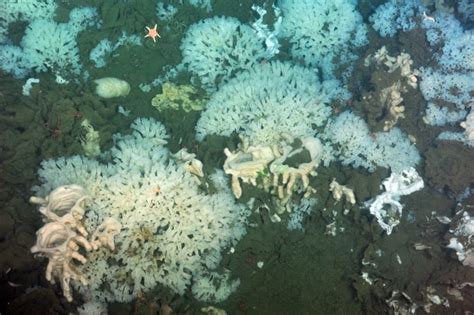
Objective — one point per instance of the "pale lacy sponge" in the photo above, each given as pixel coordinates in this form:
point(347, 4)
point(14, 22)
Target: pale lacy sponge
point(106, 48)
point(320, 30)
point(48, 45)
point(213, 287)
point(24, 10)
point(453, 81)
point(171, 230)
point(203, 4)
point(396, 15)
point(356, 146)
point(270, 100)
point(443, 27)
point(215, 49)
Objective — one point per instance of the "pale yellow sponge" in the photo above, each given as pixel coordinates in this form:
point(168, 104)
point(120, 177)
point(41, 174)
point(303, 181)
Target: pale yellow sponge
point(178, 96)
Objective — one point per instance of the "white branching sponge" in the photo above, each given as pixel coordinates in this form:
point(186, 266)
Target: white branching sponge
point(171, 230)
point(270, 100)
point(357, 146)
point(320, 30)
point(215, 49)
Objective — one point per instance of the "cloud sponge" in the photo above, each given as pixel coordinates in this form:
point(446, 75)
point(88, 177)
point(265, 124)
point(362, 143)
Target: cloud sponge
point(171, 230)
point(215, 49)
point(320, 30)
point(267, 101)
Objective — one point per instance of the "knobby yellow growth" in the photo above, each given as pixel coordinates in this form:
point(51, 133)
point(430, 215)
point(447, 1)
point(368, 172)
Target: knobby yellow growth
point(178, 96)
